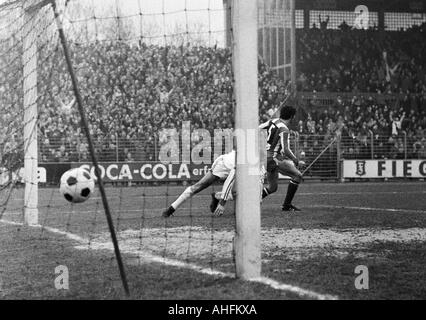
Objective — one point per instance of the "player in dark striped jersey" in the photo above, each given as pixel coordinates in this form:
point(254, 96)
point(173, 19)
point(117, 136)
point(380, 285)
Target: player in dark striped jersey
point(280, 158)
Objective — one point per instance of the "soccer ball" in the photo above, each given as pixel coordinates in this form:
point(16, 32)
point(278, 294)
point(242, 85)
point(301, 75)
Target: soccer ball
point(77, 185)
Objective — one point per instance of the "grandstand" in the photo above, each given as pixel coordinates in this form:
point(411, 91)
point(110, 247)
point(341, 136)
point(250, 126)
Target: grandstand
point(153, 75)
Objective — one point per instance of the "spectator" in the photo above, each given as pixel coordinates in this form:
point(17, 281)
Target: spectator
point(396, 123)
point(323, 23)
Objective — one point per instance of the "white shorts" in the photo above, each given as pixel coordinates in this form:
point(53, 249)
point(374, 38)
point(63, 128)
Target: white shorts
point(219, 169)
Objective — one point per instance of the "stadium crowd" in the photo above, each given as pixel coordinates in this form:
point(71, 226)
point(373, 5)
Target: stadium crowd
point(367, 129)
point(362, 60)
point(133, 91)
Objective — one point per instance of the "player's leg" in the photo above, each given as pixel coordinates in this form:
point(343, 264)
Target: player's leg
point(228, 193)
point(204, 183)
point(271, 177)
point(288, 168)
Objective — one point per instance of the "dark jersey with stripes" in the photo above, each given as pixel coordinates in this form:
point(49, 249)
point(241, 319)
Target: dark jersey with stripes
point(275, 128)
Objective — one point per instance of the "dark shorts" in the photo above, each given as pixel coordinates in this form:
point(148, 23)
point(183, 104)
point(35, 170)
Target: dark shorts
point(285, 167)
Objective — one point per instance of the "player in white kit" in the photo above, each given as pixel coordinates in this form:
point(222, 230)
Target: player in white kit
point(223, 169)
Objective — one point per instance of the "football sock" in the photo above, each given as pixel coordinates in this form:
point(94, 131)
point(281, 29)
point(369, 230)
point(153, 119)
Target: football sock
point(291, 191)
point(188, 193)
point(218, 196)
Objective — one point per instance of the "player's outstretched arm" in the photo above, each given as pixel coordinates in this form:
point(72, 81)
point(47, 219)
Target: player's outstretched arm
point(226, 193)
point(264, 125)
point(220, 209)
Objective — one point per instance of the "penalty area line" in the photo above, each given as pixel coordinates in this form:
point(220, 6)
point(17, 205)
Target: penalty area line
point(184, 265)
point(367, 208)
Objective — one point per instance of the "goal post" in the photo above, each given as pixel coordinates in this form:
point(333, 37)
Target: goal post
point(29, 87)
point(245, 62)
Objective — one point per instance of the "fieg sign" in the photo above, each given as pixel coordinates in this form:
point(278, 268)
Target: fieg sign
point(384, 168)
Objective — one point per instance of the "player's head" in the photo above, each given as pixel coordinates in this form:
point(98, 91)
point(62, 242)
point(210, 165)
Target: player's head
point(287, 112)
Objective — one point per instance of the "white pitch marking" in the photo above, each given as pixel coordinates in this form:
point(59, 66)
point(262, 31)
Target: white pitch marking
point(11, 222)
point(69, 235)
point(368, 208)
point(299, 291)
point(299, 194)
point(180, 264)
point(363, 193)
point(13, 213)
point(122, 210)
point(153, 210)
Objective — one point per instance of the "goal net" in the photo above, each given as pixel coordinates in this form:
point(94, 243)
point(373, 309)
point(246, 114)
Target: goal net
point(163, 84)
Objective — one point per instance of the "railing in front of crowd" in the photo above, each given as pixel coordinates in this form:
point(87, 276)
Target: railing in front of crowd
point(330, 99)
point(306, 146)
point(110, 148)
point(373, 146)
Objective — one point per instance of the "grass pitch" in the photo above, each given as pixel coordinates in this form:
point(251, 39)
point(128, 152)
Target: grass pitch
point(379, 225)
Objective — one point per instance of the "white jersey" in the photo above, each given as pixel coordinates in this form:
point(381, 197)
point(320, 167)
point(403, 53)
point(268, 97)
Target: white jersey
point(223, 165)
point(229, 160)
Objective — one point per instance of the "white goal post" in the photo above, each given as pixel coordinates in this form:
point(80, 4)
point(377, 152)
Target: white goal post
point(29, 63)
point(245, 62)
